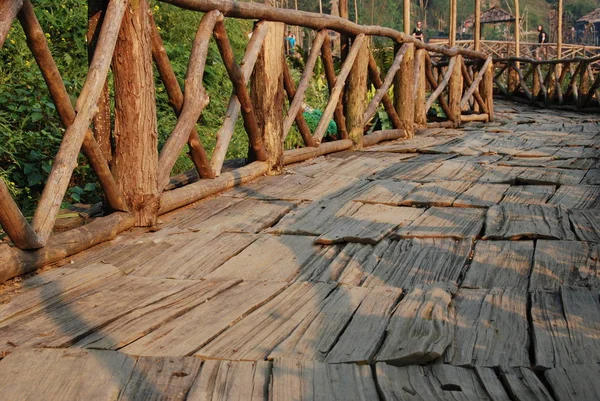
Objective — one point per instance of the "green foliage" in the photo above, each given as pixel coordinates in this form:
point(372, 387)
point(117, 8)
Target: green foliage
point(312, 120)
point(30, 130)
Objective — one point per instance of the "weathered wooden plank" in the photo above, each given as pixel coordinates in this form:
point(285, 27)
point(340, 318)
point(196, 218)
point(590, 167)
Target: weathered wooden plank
point(295, 187)
point(436, 382)
point(523, 384)
point(442, 222)
point(226, 380)
point(255, 336)
point(586, 224)
point(471, 145)
point(65, 322)
point(502, 264)
point(156, 379)
point(456, 170)
point(574, 383)
point(275, 258)
point(566, 327)
point(362, 338)
point(196, 257)
point(567, 152)
point(412, 262)
point(514, 221)
point(249, 215)
point(313, 380)
point(386, 192)
point(491, 384)
point(127, 328)
point(528, 194)
point(408, 171)
point(420, 329)
point(490, 328)
point(481, 195)
point(49, 374)
point(189, 332)
point(348, 265)
point(577, 197)
point(542, 151)
point(315, 218)
point(366, 223)
point(436, 193)
point(411, 145)
point(554, 176)
point(501, 175)
point(565, 263)
point(354, 164)
point(196, 214)
point(592, 177)
point(317, 334)
point(51, 288)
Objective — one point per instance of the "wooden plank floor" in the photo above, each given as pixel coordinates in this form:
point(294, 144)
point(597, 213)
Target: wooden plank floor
point(463, 264)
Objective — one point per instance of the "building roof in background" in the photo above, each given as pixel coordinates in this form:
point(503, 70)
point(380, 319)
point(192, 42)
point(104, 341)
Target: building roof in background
point(592, 17)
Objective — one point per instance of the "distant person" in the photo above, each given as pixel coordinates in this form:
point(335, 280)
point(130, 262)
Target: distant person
point(542, 38)
point(417, 33)
point(291, 43)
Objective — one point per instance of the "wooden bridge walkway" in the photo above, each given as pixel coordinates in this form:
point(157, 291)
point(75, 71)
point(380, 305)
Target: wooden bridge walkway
point(462, 264)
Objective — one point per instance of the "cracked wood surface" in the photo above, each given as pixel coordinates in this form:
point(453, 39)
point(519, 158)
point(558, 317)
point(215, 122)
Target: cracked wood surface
point(468, 255)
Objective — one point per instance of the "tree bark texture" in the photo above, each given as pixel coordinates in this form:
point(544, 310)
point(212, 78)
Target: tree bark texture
point(136, 139)
point(267, 96)
point(356, 95)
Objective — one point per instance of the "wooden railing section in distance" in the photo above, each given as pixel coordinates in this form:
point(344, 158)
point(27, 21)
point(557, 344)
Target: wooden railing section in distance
point(500, 49)
point(459, 81)
point(565, 82)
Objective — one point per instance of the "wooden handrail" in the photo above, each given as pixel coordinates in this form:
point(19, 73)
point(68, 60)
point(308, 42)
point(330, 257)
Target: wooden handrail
point(188, 103)
point(306, 19)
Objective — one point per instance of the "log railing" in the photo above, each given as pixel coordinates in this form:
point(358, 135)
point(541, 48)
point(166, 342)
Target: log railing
point(459, 81)
point(500, 49)
point(566, 82)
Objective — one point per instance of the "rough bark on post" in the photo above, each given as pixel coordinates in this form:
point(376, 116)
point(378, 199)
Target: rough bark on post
point(267, 96)
point(136, 153)
point(455, 92)
point(356, 96)
point(420, 88)
point(404, 90)
point(102, 128)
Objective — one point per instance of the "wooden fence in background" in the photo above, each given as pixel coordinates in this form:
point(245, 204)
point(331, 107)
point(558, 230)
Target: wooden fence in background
point(135, 176)
point(566, 82)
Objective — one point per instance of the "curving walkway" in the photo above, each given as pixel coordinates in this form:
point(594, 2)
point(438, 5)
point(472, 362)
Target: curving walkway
point(458, 265)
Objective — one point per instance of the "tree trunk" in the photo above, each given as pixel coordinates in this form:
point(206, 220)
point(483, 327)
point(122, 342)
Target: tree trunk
point(267, 96)
point(404, 90)
point(136, 152)
point(356, 96)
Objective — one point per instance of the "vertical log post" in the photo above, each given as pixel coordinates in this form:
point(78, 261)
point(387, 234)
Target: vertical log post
point(455, 92)
point(406, 16)
point(420, 94)
point(486, 88)
point(136, 153)
point(267, 95)
point(404, 90)
point(453, 22)
point(356, 96)
point(559, 36)
point(477, 26)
